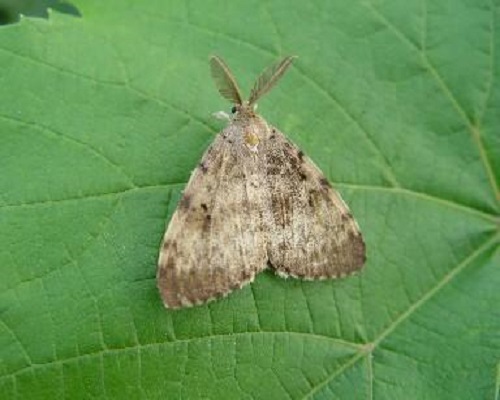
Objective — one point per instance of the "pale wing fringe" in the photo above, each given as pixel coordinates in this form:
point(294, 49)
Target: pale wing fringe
point(224, 80)
point(268, 78)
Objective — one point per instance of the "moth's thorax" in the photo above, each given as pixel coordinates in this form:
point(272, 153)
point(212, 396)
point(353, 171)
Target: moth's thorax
point(250, 127)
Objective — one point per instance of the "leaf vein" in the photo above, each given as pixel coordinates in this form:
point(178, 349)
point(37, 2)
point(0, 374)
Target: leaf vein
point(435, 289)
point(108, 351)
point(473, 129)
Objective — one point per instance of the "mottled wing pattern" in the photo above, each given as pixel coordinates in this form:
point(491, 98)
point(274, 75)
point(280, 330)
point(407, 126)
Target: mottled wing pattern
point(311, 233)
point(214, 242)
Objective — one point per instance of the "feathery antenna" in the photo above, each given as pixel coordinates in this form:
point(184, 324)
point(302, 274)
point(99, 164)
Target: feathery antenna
point(224, 80)
point(268, 78)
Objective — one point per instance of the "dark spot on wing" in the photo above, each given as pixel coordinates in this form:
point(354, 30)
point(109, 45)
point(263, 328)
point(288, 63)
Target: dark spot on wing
point(346, 216)
point(246, 274)
point(168, 283)
point(294, 163)
point(170, 263)
point(185, 202)
point(282, 209)
point(204, 207)
point(300, 154)
point(207, 223)
point(311, 201)
point(166, 244)
point(303, 176)
point(170, 245)
point(203, 167)
point(324, 182)
point(313, 198)
point(272, 169)
point(358, 247)
point(283, 246)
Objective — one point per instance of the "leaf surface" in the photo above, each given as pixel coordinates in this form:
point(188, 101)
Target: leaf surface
point(102, 119)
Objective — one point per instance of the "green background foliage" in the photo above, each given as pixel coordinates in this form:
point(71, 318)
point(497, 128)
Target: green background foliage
point(102, 119)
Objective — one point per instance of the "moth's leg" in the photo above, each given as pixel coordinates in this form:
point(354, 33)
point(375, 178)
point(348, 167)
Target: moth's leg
point(222, 115)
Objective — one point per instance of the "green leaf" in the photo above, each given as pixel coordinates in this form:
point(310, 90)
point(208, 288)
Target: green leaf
point(102, 119)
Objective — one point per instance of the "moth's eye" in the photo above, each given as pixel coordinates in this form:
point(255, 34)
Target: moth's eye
point(233, 110)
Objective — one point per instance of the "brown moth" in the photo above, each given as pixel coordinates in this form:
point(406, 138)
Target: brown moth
point(254, 199)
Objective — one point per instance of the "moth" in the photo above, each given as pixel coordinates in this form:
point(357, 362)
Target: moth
point(254, 200)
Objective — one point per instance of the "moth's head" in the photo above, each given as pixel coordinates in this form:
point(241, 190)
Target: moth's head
point(242, 111)
point(228, 88)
